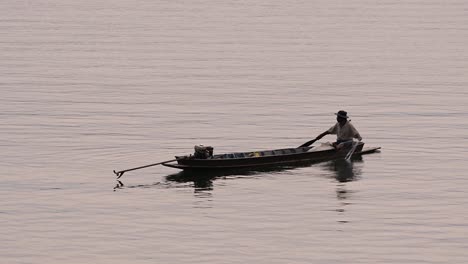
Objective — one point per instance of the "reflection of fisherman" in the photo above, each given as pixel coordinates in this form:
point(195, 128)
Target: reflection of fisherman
point(343, 170)
point(344, 131)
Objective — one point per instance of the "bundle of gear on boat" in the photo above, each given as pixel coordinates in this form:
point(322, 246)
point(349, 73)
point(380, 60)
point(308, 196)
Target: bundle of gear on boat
point(203, 152)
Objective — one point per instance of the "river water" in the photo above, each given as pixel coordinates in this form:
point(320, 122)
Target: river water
point(92, 86)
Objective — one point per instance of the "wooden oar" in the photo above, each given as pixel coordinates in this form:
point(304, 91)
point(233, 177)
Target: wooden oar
point(120, 173)
point(308, 143)
point(351, 151)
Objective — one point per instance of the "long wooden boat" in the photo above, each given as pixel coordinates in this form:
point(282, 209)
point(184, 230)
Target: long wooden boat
point(266, 158)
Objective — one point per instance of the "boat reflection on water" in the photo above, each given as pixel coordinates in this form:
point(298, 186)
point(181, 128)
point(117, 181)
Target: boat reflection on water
point(204, 180)
point(343, 171)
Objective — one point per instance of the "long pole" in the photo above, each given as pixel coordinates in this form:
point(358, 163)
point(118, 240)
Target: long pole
point(120, 173)
point(351, 151)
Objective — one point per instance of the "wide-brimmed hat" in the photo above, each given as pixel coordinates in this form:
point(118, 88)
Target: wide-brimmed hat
point(342, 114)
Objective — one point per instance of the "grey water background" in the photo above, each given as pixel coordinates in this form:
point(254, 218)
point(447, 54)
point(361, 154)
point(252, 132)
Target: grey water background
point(92, 86)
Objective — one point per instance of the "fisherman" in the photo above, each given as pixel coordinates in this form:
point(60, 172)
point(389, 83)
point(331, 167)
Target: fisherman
point(343, 129)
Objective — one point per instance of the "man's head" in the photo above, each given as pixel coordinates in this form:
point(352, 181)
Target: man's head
point(342, 116)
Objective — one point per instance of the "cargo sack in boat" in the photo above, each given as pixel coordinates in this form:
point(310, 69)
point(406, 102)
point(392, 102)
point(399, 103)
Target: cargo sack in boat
point(203, 152)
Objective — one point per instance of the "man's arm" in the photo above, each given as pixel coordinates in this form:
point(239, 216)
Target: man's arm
point(322, 135)
point(356, 133)
point(358, 137)
point(310, 142)
point(331, 130)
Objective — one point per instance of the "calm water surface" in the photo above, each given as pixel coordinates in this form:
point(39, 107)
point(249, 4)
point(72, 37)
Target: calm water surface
point(90, 87)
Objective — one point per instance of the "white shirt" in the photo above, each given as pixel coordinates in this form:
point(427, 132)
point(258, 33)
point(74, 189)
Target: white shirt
point(345, 132)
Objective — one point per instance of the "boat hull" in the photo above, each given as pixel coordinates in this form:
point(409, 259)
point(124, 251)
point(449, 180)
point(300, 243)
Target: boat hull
point(271, 159)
